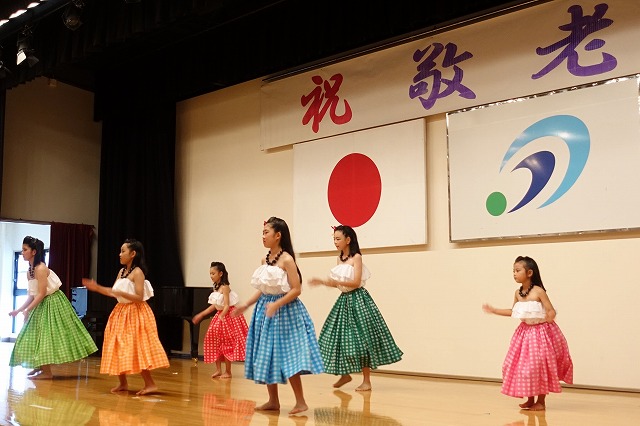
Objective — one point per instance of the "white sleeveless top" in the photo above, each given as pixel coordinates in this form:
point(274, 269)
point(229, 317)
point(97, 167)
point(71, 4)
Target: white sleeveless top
point(345, 272)
point(217, 298)
point(53, 284)
point(127, 286)
point(270, 280)
point(531, 312)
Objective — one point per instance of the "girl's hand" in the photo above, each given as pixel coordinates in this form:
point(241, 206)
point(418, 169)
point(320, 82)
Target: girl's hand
point(238, 310)
point(488, 309)
point(90, 284)
point(196, 319)
point(221, 316)
point(272, 308)
point(550, 315)
point(315, 281)
point(26, 313)
point(14, 313)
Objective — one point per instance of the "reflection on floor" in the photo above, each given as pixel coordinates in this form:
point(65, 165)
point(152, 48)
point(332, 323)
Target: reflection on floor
point(79, 395)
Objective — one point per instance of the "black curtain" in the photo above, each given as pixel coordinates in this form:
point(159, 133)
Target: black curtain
point(137, 187)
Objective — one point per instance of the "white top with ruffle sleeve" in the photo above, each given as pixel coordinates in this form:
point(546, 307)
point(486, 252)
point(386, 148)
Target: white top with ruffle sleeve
point(270, 280)
point(53, 284)
point(531, 312)
point(345, 272)
point(217, 298)
point(127, 286)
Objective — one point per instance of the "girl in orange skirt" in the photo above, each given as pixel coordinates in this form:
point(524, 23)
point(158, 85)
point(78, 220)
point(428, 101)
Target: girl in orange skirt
point(131, 343)
point(226, 338)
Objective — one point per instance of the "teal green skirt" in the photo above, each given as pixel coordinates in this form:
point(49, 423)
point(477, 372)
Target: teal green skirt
point(52, 334)
point(355, 335)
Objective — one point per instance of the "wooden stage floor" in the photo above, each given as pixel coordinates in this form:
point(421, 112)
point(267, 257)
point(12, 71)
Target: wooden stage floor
point(79, 395)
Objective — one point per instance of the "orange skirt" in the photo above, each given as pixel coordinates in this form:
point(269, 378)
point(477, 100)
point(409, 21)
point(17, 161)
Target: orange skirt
point(131, 342)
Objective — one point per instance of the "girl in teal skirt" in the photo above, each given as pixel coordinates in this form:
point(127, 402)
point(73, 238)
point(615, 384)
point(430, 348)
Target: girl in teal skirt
point(52, 332)
point(354, 337)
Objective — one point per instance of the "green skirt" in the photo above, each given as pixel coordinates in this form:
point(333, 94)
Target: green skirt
point(355, 335)
point(52, 334)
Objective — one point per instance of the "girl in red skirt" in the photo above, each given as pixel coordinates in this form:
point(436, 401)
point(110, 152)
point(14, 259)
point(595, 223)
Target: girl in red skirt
point(226, 337)
point(131, 343)
point(538, 357)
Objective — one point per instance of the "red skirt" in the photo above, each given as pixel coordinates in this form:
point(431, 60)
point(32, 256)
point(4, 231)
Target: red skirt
point(226, 337)
point(537, 360)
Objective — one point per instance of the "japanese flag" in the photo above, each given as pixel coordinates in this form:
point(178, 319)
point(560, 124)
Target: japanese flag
point(372, 180)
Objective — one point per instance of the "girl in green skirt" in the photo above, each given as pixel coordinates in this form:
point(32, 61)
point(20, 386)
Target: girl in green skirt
point(52, 332)
point(354, 337)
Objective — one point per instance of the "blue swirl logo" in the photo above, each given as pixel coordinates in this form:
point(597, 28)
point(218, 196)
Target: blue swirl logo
point(542, 164)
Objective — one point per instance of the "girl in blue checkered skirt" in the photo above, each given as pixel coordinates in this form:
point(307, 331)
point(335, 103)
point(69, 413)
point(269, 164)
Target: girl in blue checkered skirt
point(354, 337)
point(281, 344)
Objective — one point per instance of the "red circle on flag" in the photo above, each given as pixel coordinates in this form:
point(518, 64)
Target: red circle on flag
point(354, 190)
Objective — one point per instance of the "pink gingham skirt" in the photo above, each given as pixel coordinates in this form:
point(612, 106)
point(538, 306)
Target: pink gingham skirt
point(537, 360)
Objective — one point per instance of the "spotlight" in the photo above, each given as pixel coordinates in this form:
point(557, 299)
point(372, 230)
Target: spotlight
point(25, 52)
point(71, 17)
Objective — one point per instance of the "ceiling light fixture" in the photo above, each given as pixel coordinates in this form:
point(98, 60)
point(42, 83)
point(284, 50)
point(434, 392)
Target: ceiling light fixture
point(17, 13)
point(25, 52)
point(71, 17)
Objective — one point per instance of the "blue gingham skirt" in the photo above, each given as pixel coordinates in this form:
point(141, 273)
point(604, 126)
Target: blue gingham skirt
point(283, 345)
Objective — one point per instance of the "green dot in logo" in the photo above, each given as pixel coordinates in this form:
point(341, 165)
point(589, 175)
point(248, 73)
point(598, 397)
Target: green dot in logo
point(496, 203)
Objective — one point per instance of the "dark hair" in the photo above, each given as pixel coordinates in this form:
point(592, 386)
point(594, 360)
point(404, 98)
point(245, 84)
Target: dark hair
point(281, 226)
point(38, 246)
point(348, 232)
point(138, 259)
point(531, 265)
point(225, 275)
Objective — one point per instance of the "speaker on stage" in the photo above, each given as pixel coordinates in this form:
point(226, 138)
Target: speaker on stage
point(79, 300)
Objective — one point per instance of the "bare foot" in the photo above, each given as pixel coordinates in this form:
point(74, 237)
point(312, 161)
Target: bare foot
point(225, 376)
point(298, 409)
point(147, 390)
point(216, 374)
point(120, 388)
point(526, 405)
point(364, 387)
point(41, 376)
point(537, 407)
point(342, 395)
point(268, 406)
point(343, 380)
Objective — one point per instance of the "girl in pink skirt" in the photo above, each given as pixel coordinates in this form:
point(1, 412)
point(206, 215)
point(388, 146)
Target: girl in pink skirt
point(226, 337)
point(538, 357)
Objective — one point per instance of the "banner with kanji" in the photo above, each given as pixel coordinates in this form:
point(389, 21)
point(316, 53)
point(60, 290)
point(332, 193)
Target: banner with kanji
point(548, 46)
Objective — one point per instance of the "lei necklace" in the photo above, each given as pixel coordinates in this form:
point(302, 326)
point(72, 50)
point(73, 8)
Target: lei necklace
point(275, 259)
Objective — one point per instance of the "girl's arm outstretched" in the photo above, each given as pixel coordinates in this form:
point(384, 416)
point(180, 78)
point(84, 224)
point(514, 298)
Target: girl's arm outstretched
point(502, 312)
point(205, 313)
point(355, 283)
point(243, 306)
point(92, 285)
